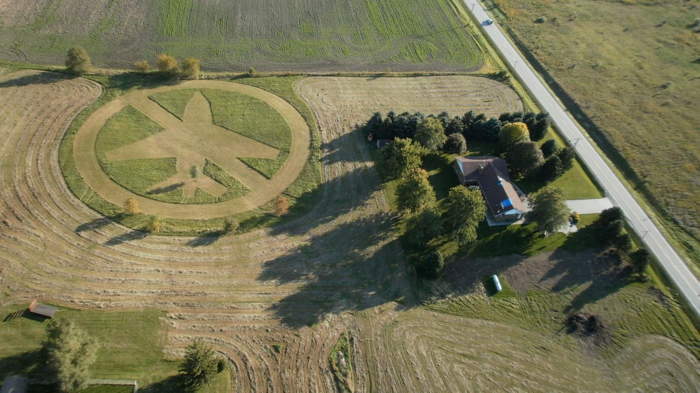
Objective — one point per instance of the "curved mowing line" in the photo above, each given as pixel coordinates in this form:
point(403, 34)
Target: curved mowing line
point(262, 192)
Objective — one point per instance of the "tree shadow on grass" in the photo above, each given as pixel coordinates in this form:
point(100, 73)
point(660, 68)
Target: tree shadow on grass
point(126, 237)
point(93, 225)
point(42, 78)
point(206, 239)
point(175, 383)
point(354, 266)
point(26, 363)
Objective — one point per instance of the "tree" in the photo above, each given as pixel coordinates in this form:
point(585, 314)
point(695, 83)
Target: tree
point(155, 225)
point(252, 72)
point(552, 169)
point(548, 148)
point(549, 210)
point(230, 225)
point(456, 144)
point(538, 126)
point(640, 259)
point(623, 242)
point(455, 126)
point(191, 68)
point(167, 65)
point(199, 365)
point(78, 61)
point(401, 156)
point(466, 235)
point(281, 206)
point(511, 134)
point(567, 155)
point(414, 192)
point(70, 353)
point(463, 208)
point(423, 227)
point(524, 158)
point(431, 134)
point(609, 215)
point(142, 66)
point(431, 265)
point(131, 207)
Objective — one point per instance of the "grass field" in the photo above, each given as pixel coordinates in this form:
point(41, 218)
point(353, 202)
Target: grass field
point(131, 344)
point(267, 34)
point(630, 67)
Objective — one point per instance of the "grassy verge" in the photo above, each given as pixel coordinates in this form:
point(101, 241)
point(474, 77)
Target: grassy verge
point(131, 344)
point(174, 101)
point(300, 193)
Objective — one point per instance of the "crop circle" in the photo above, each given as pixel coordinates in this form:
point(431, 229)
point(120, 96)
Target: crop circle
point(197, 150)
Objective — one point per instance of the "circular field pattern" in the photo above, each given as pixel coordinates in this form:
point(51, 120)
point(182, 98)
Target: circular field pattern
point(225, 146)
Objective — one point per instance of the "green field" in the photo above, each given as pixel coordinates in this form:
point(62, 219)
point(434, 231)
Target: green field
point(131, 344)
point(630, 71)
point(337, 35)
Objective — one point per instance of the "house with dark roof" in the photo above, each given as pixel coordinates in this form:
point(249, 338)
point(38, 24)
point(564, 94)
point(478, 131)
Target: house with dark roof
point(490, 174)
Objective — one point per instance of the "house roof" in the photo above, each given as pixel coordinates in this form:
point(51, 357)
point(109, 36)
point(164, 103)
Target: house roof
point(491, 173)
point(42, 309)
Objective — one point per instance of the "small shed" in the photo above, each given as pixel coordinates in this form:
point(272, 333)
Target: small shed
point(14, 384)
point(42, 309)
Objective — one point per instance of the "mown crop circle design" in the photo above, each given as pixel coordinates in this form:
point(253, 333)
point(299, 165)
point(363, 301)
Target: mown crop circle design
point(198, 150)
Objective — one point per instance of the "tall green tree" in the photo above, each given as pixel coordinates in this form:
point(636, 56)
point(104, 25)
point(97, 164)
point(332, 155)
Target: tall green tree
point(549, 209)
point(463, 208)
point(431, 134)
point(414, 192)
point(511, 134)
point(199, 365)
point(456, 144)
point(524, 159)
point(423, 227)
point(70, 353)
point(78, 61)
point(402, 156)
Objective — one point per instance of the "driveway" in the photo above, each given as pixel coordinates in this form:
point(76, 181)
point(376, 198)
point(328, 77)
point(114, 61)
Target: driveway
point(589, 206)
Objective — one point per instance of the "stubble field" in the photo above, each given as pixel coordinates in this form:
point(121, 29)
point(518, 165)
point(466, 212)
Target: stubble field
point(276, 301)
point(336, 35)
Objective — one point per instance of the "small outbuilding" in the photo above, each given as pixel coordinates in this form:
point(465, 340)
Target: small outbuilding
point(14, 384)
point(42, 309)
point(496, 283)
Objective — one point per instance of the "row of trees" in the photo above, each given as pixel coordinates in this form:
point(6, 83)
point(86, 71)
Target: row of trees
point(611, 232)
point(70, 352)
point(78, 62)
point(471, 126)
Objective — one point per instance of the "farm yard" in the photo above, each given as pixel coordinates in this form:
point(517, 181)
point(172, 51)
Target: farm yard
point(630, 87)
point(277, 300)
point(358, 35)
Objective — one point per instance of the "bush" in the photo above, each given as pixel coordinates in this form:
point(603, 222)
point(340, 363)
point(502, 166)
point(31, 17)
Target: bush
point(131, 207)
point(230, 225)
point(567, 156)
point(609, 215)
point(548, 148)
point(456, 144)
point(142, 66)
point(191, 68)
point(551, 170)
point(78, 61)
point(281, 206)
point(431, 265)
point(252, 72)
point(623, 242)
point(167, 65)
point(220, 365)
point(155, 225)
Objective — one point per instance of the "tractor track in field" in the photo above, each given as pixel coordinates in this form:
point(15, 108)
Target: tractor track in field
point(273, 301)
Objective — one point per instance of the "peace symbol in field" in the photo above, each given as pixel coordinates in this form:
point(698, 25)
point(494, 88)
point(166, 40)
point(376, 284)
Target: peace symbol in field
point(200, 149)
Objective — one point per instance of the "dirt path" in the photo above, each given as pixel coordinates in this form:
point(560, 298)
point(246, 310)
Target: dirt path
point(262, 189)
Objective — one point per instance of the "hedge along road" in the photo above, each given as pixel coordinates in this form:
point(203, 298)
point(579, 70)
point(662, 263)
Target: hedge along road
point(669, 260)
point(262, 189)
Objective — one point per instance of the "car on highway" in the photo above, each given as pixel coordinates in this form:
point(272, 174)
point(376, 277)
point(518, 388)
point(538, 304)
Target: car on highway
point(487, 22)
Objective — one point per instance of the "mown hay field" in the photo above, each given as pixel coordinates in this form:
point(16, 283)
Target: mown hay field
point(632, 67)
point(267, 34)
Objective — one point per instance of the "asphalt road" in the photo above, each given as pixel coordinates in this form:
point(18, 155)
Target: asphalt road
point(655, 242)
